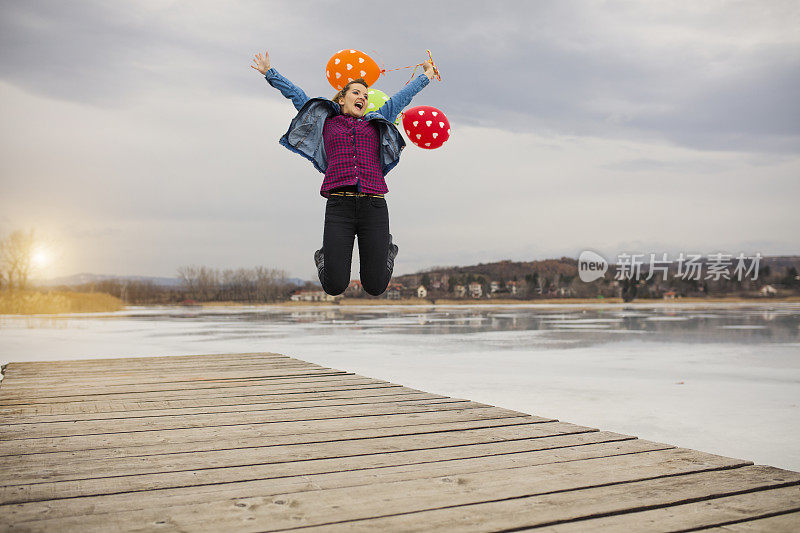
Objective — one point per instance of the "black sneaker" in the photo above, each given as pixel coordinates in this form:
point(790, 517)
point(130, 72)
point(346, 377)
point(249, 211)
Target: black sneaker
point(319, 260)
point(393, 250)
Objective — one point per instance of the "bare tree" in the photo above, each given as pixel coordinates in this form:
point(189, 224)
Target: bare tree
point(270, 283)
point(16, 259)
point(208, 283)
point(201, 283)
point(188, 276)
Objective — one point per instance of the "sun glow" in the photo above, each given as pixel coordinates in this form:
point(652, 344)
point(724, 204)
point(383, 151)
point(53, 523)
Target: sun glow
point(40, 257)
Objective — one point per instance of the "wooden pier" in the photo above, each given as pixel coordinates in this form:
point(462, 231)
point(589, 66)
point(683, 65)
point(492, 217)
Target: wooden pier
point(264, 442)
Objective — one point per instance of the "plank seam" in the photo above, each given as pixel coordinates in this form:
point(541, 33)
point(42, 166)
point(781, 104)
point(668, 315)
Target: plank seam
point(34, 385)
point(301, 391)
point(197, 388)
point(742, 520)
point(517, 498)
point(431, 400)
point(684, 501)
point(133, 409)
point(247, 480)
point(514, 439)
point(370, 437)
point(335, 440)
point(252, 423)
point(383, 452)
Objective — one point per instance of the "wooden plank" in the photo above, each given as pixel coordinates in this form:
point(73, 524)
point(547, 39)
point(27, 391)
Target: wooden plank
point(548, 509)
point(34, 469)
point(90, 379)
point(783, 523)
point(125, 406)
point(699, 514)
point(232, 441)
point(302, 430)
point(397, 468)
point(230, 408)
point(69, 392)
point(304, 386)
point(58, 365)
point(48, 369)
point(99, 427)
point(52, 367)
point(404, 465)
point(93, 380)
point(317, 507)
point(227, 406)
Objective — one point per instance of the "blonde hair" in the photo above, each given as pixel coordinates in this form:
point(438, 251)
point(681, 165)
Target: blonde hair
point(341, 93)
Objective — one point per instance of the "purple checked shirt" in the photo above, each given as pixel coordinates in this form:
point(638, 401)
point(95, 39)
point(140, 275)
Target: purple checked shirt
point(351, 146)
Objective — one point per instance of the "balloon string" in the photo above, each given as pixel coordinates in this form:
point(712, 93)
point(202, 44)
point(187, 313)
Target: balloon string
point(435, 69)
point(384, 70)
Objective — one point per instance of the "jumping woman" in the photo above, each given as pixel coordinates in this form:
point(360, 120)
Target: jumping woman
point(355, 151)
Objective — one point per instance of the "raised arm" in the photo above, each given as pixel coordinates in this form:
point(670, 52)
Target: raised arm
point(403, 97)
point(287, 88)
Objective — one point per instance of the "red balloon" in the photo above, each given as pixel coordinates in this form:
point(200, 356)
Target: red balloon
point(426, 126)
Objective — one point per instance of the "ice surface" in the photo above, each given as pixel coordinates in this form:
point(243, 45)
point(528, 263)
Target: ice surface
point(723, 379)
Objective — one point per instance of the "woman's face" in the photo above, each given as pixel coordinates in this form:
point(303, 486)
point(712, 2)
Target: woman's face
point(354, 102)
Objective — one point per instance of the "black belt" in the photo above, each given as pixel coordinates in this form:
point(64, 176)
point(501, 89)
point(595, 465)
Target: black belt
point(356, 194)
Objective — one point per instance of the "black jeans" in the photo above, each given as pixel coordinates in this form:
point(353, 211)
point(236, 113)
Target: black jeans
point(368, 218)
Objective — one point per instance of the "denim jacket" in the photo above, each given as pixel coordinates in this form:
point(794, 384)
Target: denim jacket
point(304, 136)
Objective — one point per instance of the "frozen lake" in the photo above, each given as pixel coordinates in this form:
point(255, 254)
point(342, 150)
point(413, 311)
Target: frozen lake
point(720, 378)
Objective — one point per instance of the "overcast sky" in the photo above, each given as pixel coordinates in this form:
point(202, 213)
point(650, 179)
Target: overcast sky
point(136, 138)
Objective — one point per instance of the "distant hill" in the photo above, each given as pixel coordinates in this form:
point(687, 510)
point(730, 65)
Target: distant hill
point(504, 270)
point(565, 267)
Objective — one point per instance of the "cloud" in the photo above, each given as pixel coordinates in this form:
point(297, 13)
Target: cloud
point(138, 132)
point(710, 77)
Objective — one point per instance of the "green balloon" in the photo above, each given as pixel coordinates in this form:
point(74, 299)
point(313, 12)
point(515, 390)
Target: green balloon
point(376, 100)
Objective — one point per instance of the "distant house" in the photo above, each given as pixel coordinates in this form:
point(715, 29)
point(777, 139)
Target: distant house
point(312, 296)
point(396, 291)
point(564, 291)
point(393, 293)
point(422, 292)
point(670, 295)
point(460, 291)
point(494, 286)
point(355, 289)
point(475, 289)
point(439, 282)
point(511, 286)
point(768, 290)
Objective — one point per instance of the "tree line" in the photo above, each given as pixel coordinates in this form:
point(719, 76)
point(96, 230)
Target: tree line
point(201, 284)
point(259, 284)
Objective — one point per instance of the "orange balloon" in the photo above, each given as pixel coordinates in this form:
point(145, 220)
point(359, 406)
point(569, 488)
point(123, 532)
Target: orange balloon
point(348, 65)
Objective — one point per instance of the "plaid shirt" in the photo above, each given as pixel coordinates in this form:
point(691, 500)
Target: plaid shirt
point(351, 147)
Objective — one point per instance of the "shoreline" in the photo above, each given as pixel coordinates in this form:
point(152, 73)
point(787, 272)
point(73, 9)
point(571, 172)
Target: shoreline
point(345, 302)
point(421, 303)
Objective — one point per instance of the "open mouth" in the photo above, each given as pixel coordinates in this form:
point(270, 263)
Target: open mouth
point(360, 105)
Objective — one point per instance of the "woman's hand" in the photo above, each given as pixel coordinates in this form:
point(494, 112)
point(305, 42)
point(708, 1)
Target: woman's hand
point(261, 63)
point(428, 68)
